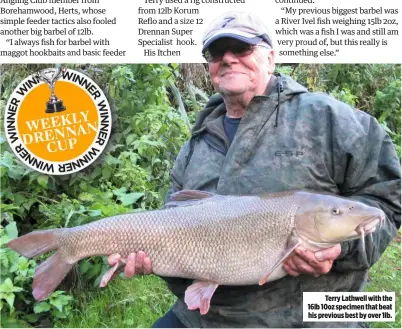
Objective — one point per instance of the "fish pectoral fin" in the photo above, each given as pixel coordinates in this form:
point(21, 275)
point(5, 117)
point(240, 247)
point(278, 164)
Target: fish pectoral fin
point(288, 253)
point(111, 272)
point(199, 295)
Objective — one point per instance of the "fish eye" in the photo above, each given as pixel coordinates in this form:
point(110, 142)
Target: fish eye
point(335, 211)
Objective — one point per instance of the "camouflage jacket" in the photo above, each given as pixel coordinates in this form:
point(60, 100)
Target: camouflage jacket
point(319, 144)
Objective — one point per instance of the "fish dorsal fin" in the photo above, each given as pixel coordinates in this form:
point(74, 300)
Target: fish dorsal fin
point(187, 198)
point(185, 195)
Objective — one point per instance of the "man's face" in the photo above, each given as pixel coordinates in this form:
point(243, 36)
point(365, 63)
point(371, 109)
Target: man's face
point(233, 74)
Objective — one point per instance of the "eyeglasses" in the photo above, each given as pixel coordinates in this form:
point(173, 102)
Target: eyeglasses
point(216, 52)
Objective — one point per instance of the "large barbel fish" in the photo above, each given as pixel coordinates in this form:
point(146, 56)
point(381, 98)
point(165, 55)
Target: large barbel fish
point(213, 239)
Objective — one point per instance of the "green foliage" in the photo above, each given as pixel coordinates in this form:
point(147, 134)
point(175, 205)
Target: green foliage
point(16, 304)
point(344, 95)
point(385, 275)
point(132, 175)
point(127, 303)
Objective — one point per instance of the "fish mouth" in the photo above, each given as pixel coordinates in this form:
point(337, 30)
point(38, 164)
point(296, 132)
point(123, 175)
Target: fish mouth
point(370, 225)
point(365, 228)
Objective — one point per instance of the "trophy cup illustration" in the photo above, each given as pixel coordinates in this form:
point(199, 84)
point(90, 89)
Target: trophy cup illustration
point(50, 76)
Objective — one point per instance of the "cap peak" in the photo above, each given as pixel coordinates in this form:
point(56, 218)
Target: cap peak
point(243, 26)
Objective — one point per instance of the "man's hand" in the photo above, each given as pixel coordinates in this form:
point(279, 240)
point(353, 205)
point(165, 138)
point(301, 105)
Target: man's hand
point(135, 263)
point(314, 263)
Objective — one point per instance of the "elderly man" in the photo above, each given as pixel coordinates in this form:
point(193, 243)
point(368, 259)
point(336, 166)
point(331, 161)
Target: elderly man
point(267, 133)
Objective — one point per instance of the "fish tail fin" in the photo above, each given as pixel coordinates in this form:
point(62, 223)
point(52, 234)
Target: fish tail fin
point(50, 273)
point(48, 276)
point(36, 243)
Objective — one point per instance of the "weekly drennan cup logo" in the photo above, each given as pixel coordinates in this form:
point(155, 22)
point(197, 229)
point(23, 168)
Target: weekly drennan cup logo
point(58, 121)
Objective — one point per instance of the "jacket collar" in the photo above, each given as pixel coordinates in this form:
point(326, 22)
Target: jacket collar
point(216, 108)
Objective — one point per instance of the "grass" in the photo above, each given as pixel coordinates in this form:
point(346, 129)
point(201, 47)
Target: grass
point(385, 275)
point(140, 301)
point(127, 303)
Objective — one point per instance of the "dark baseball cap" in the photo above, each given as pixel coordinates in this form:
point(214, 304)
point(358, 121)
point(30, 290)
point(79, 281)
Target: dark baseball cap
point(237, 25)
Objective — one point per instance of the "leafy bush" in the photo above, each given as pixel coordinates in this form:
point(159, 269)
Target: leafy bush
point(132, 175)
point(16, 305)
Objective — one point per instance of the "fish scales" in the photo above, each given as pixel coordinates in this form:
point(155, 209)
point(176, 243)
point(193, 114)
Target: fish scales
point(223, 239)
point(214, 239)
